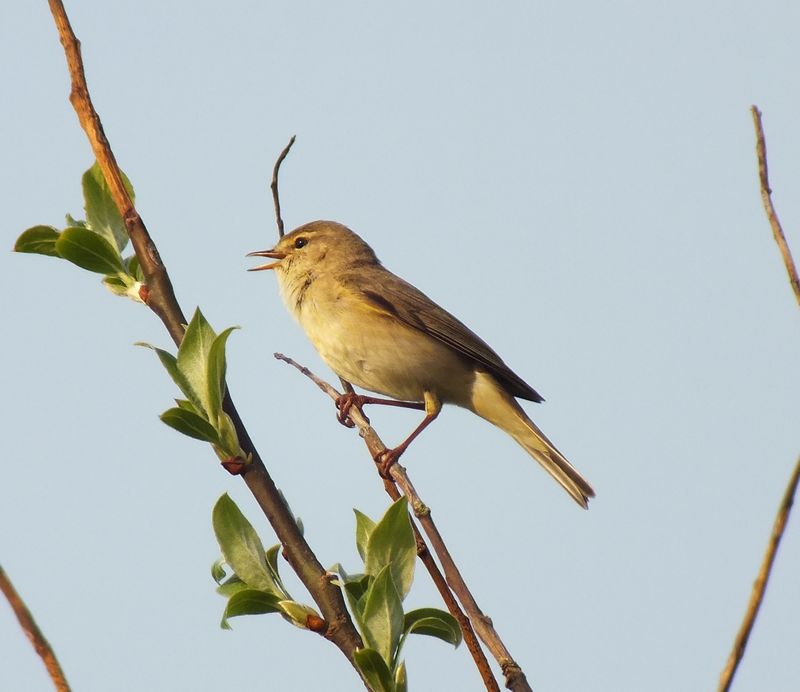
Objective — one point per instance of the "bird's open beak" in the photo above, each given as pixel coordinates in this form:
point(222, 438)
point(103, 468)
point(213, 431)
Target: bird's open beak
point(266, 253)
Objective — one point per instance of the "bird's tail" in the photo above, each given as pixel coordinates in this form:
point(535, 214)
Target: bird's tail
point(494, 404)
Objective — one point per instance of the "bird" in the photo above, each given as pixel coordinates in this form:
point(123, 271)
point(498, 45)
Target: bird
point(380, 333)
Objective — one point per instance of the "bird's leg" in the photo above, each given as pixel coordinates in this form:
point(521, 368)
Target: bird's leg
point(389, 457)
point(347, 400)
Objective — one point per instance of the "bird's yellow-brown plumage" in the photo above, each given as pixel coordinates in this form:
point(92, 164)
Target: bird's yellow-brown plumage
point(380, 333)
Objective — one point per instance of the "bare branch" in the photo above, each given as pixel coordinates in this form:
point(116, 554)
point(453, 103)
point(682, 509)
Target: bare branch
point(34, 634)
point(274, 185)
point(161, 299)
point(766, 198)
point(514, 675)
point(760, 584)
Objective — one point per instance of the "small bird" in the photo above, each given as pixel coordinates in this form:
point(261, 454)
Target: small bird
point(378, 332)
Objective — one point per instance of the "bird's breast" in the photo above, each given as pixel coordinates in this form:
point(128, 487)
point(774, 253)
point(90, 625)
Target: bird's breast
point(376, 351)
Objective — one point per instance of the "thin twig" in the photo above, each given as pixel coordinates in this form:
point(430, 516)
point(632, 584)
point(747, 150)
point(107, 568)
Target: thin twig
point(766, 198)
point(274, 185)
point(161, 299)
point(34, 634)
point(760, 584)
point(514, 676)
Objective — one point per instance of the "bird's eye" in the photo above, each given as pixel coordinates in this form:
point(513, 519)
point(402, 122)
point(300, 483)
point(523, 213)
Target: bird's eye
point(300, 242)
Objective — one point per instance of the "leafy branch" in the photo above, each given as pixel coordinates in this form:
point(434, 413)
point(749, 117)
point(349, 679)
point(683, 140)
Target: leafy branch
point(375, 595)
point(101, 253)
point(514, 675)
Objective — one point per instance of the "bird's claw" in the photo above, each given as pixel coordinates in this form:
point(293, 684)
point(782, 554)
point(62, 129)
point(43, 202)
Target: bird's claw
point(385, 460)
point(344, 403)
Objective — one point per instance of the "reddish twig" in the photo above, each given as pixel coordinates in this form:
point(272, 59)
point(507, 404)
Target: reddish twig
point(766, 198)
point(760, 584)
point(276, 200)
point(161, 299)
point(514, 676)
point(34, 634)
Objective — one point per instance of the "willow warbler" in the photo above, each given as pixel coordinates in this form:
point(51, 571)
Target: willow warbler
point(380, 333)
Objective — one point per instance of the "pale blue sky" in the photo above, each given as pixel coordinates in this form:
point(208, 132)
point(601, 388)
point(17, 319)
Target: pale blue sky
point(576, 181)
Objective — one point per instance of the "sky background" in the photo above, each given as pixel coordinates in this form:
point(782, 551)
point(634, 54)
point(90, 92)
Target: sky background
point(576, 181)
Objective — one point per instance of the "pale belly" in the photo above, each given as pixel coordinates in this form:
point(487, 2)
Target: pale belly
point(382, 355)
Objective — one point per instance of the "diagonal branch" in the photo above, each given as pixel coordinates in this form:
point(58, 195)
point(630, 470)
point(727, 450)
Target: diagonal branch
point(160, 298)
point(760, 584)
point(33, 633)
point(766, 198)
point(514, 675)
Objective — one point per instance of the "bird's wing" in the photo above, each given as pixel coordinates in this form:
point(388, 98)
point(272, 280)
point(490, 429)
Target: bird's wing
point(393, 296)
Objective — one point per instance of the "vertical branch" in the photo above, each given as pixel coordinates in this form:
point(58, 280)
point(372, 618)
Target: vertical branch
point(162, 301)
point(760, 584)
point(274, 185)
point(34, 634)
point(766, 198)
point(159, 296)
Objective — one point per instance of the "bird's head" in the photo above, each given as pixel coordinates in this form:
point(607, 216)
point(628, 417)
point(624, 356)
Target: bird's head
point(316, 248)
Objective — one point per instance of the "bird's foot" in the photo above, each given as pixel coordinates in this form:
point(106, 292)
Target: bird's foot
point(344, 403)
point(386, 459)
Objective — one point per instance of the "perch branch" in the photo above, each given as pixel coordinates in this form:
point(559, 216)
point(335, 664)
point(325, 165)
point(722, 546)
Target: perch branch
point(766, 198)
point(760, 584)
point(34, 634)
point(514, 676)
point(274, 185)
point(161, 299)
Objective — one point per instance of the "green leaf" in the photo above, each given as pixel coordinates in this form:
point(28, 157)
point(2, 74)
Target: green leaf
point(170, 364)
point(79, 223)
point(400, 679)
point(134, 268)
point(231, 586)
point(185, 405)
point(364, 527)
point(249, 602)
point(190, 424)
point(102, 214)
point(193, 358)
point(434, 623)
point(272, 564)
point(382, 619)
point(89, 251)
point(218, 570)
point(228, 439)
point(117, 286)
point(392, 543)
point(374, 670)
point(297, 613)
point(40, 240)
point(355, 588)
point(241, 547)
point(216, 373)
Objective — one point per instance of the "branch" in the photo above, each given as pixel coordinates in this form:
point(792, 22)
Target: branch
point(514, 675)
point(34, 634)
point(160, 298)
point(274, 185)
point(760, 584)
point(766, 198)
